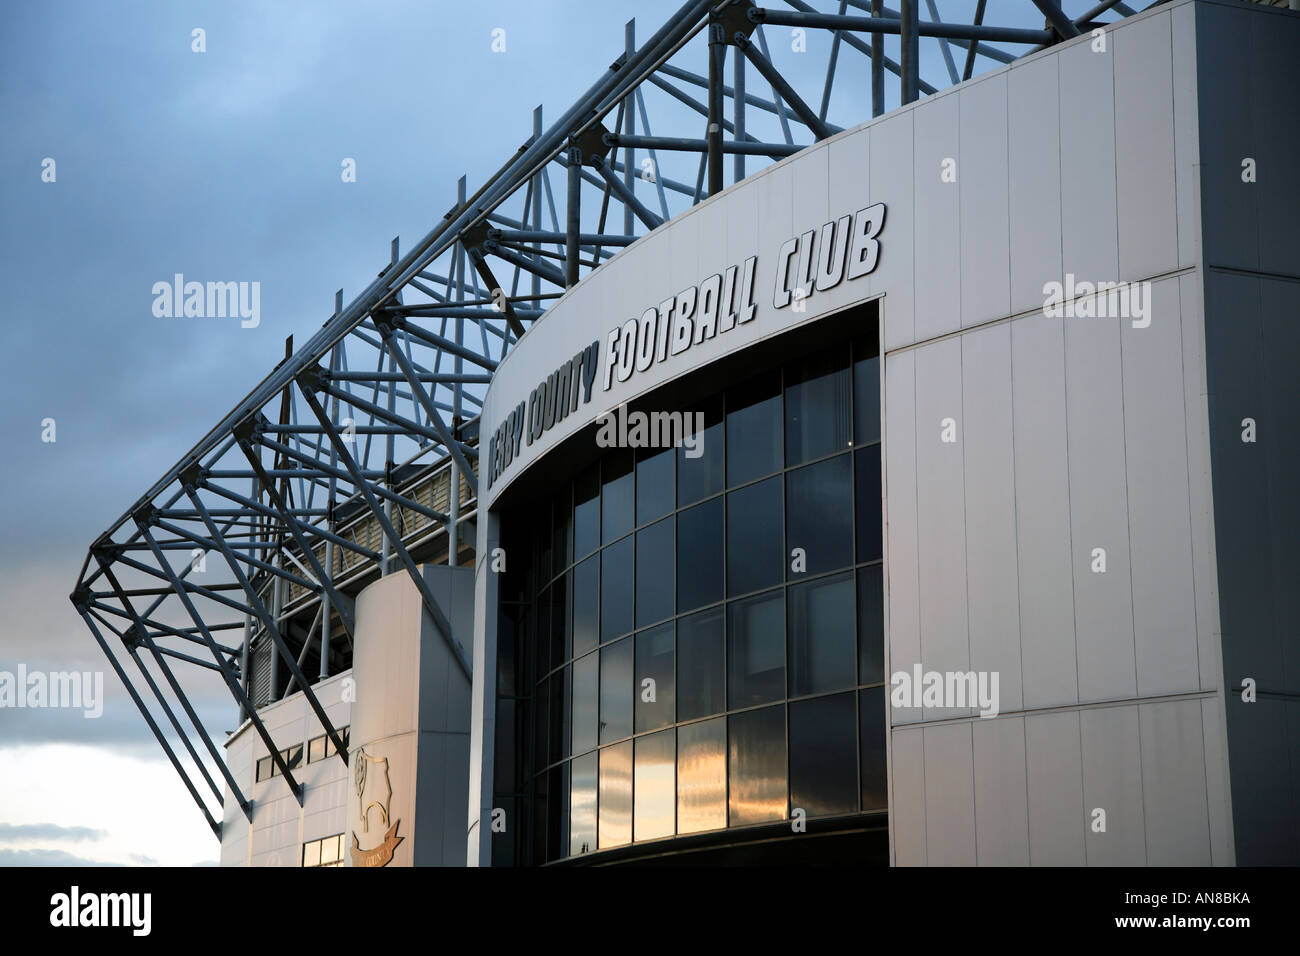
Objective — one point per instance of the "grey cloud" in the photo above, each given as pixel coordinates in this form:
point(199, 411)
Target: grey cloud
point(49, 832)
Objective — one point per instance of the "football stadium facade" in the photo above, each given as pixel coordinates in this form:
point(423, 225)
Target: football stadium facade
point(914, 495)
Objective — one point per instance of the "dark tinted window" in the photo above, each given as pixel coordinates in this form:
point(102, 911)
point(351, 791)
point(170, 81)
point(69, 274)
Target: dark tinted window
point(655, 484)
point(586, 512)
point(867, 503)
point(816, 518)
point(616, 690)
point(872, 736)
point(616, 589)
point(871, 625)
point(821, 635)
point(654, 572)
point(586, 604)
point(818, 406)
point(756, 766)
point(655, 698)
point(700, 665)
point(754, 546)
point(823, 755)
point(701, 476)
point(866, 395)
point(754, 429)
point(616, 496)
point(756, 649)
point(586, 719)
point(699, 555)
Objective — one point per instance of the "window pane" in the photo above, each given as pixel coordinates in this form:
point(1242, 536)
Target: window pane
point(754, 547)
point(871, 625)
point(544, 539)
point(822, 635)
point(818, 406)
point(701, 476)
point(541, 646)
point(654, 785)
point(311, 853)
point(756, 761)
point(330, 849)
point(586, 513)
point(754, 429)
point(616, 795)
point(562, 535)
point(699, 555)
point(263, 768)
point(559, 715)
point(816, 508)
point(616, 589)
point(316, 750)
point(503, 763)
point(654, 484)
point(872, 735)
point(586, 604)
point(616, 691)
point(756, 649)
point(582, 805)
point(560, 601)
point(557, 819)
point(586, 671)
point(654, 661)
point(654, 573)
point(823, 755)
point(702, 776)
point(616, 497)
point(541, 729)
point(866, 395)
point(700, 663)
point(867, 503)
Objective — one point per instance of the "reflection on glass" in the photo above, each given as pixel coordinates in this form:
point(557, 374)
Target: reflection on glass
point(815, 519)
point(655, 484)
point(823, 755)
point(616, 691)
point(821, 635)
point(582, 805)
point(871, 625)
point(586, 671)
point(544, 542)
point(754, 547)
point(616, 795)
point(754, 429)
point(560, 601)
point(866, 395)
point(867, 503)
point(561, 547)
point(616, 501)
point(541, 707)
point(655, 702)
point(559, 715)
point(655, 771)
point(871, 707)
point(818, 406)
point(756, 765)
point(702, 776)
point(700, 661)
point(699, 555)
point(557, 818)
point(616, 588)
point(586, 604)
point(586, 512)
point(702, 476)
point(654, 572)
point(756, 649)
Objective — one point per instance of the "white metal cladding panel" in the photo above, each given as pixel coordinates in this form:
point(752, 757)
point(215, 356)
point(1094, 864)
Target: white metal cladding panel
point(1186, 134)
point(1112, 782)
point(810, 199)
point(1034, 168)
point(1155, 441)
point(901, 516)
point(848, 181)
point(1086, 113)
point(985, 209)
point(993, 594)
point(1056, 818)
point(941, 513)
point(1001, 791)
point(1042, 513)
point(937, 249)
point(949, 795)
point(1204, 561)
point(907, 797)
point(1103, 600)
point(1144, 138)
point(1217, 784)
point(1173, 784)
point(891, 176)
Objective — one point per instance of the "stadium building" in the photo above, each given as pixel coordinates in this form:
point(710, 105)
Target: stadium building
point(913, 495)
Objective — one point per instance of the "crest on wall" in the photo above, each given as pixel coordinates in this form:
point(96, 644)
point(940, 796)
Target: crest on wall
point(374, 793)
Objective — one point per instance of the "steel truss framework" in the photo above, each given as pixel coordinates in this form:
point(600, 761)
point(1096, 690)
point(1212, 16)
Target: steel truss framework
point(357, 455)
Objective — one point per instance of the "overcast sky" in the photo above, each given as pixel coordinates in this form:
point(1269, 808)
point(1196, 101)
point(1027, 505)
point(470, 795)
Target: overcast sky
point(222, 165)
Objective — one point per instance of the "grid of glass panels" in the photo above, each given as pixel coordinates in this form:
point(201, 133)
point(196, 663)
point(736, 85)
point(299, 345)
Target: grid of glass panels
point(696, 643)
